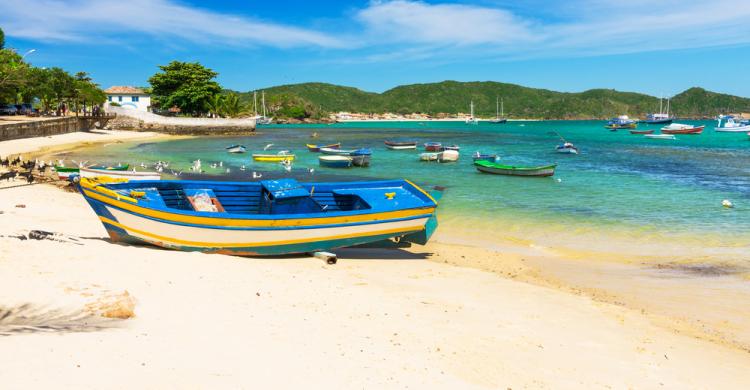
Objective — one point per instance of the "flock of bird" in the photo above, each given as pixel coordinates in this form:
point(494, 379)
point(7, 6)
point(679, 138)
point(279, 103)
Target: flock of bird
point(15, 168)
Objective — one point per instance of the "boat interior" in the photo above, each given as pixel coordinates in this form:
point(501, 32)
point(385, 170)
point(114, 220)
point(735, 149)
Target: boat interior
point(284, 196)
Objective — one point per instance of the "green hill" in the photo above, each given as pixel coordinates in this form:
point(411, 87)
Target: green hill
point(451, 97)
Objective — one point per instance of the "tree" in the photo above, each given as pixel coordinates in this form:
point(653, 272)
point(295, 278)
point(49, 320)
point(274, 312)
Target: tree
point(231, 106)
point(215, 105)
point(187, 85)
point(2, 39)
point(12, 72)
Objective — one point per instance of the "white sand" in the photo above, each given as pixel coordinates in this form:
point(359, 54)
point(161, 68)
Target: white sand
point(378, 319)
point(61, 141)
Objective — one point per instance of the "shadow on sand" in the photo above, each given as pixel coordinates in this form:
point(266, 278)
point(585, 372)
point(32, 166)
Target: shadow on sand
point(29, 318)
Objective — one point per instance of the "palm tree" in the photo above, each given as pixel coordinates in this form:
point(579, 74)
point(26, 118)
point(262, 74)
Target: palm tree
point(232, 106)
point(215, 105)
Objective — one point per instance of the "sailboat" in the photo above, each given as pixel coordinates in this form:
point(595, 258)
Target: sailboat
point(261, 119)
point(471, 120)
point(661, 117)
point(499, 115)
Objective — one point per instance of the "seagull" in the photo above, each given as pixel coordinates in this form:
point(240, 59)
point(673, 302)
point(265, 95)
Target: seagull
point(143, 165)
point(213, 165)
point(242, 168)
point(727, 203)
point(221, 163)
point(311, 170)
point(267, 146)
point(228, 170)
point(256, 175)
point(61, 163)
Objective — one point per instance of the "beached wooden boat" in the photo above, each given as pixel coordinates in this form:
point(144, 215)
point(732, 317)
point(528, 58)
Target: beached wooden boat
point(316, 148)
point(432, 146)
point(641, 131)
point(679, 128)
point(501, 169)
point(335, 161)
point(400, 145)
point(448, 156)
point(272, 217)
point(660, 136)
point(278, 157)
point(236, 149)
point(119, 174)
point(63, 173)
point(484, 157)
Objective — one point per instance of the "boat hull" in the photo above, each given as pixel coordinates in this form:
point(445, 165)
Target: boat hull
point(126, 221)
point(116, 174)
point(361, 160)
point(316, 148)
point(400, 145)
point(335, 161)
point(236, 149)
point(428, 156)
point(641, 131)
point(498, 169)
point(432, 147)
point(448, 156)
point(692, 130)
point(273, 157)
point(660, 136)
point(739, 129)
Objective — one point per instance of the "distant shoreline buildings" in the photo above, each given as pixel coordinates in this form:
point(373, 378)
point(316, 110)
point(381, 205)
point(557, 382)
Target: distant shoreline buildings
point(128, 97)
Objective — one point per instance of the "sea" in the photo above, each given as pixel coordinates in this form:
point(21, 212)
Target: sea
point(623, 193)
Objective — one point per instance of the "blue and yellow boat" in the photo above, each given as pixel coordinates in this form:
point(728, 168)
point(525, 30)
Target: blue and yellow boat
point(270, 217)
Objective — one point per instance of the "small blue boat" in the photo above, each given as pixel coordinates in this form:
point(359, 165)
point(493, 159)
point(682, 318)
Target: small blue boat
point(361, 157)
point(484, 157)
point(335, 161)
point(271, 217)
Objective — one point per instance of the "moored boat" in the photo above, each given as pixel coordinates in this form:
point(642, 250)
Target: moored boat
point(451, 147)
point(278, 157)
point(661, 117)
point(484, 157)
point(236, 149)
point(499, 114)
point(270, 217)
point(727, 124)
point(641, 131)
point(336, 151)
point(621, 122)
point(119, 174)
point(428, 156)
point(316, 148)
point(335, 161)
point(567, 148)
point(660, 136)
point(361, 157)
point(401, 145)
point(679, 128)
point(502, 169)
point(432, 146)
point(448, 156)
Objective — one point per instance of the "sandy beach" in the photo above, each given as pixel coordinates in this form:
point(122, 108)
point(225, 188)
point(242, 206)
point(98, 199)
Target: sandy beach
point(90, 314)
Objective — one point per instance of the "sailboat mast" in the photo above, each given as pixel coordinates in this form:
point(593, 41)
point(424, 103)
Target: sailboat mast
point(255, 102)
point(497, 108)
point(502, 111)
point(667, 107)
point(263, 101)
point(661, 108)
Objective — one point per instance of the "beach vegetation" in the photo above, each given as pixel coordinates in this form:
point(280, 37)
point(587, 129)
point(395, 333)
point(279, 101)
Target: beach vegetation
point(189, 86)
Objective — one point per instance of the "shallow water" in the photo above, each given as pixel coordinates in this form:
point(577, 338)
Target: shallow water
point(623, 192)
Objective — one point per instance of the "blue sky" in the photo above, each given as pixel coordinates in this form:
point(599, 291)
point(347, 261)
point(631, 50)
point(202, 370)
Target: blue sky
point(655, 47)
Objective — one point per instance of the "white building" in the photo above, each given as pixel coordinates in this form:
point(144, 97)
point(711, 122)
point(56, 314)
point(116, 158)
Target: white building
point(128, 97)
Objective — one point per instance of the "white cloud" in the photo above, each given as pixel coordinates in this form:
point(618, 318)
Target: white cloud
point(578, 28)
point(92, 20)
point(446, 24)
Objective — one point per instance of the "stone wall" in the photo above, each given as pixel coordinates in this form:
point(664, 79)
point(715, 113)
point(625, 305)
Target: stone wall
point(46, 127)
point(146, 121)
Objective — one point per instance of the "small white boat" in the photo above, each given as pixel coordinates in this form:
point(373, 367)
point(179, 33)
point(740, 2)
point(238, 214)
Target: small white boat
point(236, 149)
point(567, 148)
point(660, 136)
point(448, 156)
point(428, 156)
point(130, 175)
point(727, 124)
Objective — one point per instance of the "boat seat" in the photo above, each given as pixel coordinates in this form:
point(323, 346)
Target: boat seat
point(204, 200)
point(152, 196)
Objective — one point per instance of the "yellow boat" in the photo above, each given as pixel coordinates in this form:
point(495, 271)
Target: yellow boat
point(279, 157)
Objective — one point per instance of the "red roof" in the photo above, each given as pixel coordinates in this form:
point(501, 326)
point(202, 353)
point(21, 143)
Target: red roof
point(125, 90)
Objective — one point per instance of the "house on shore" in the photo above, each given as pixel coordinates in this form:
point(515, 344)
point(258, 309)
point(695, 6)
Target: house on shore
point(128, 97)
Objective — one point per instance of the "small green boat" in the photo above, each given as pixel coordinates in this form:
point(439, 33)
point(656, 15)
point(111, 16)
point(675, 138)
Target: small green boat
point(500, 169)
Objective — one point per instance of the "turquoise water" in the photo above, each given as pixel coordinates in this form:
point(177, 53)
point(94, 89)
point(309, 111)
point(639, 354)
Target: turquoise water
point(620, 183)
